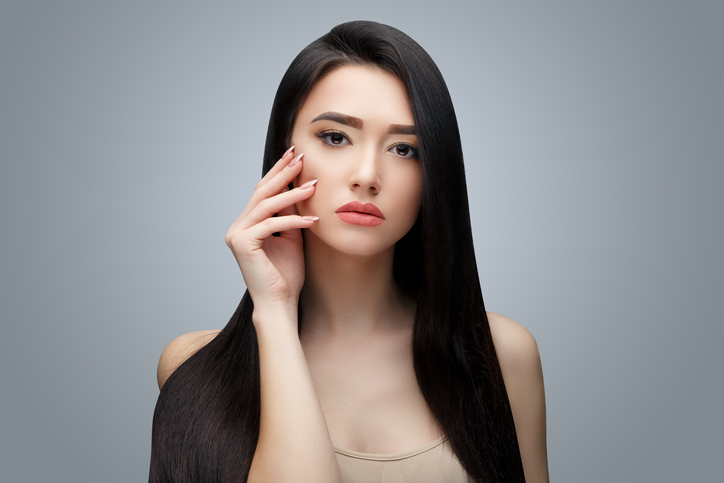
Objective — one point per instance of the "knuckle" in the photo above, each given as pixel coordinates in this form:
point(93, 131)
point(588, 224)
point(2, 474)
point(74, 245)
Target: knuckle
point(233, 239)
point(230, 241)
point(264, 204)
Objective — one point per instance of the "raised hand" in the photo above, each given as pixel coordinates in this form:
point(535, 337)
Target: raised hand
point(273, 266)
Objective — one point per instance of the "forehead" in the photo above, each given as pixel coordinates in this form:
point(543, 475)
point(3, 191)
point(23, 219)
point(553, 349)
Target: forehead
point(368, 93)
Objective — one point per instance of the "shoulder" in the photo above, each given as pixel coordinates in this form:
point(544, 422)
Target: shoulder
point(523, 376)
point(516, 348)
point(180, 349)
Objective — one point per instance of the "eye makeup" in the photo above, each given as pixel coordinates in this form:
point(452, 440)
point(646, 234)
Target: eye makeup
point(336, 139)
point(411, 150)
point(330, 135)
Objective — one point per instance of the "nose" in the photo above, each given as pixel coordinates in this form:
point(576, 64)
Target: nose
point(365, 175)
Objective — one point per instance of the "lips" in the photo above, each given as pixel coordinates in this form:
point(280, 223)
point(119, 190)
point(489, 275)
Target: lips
point(364, 214)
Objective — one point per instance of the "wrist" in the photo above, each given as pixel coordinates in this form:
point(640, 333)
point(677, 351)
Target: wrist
point(279, 316)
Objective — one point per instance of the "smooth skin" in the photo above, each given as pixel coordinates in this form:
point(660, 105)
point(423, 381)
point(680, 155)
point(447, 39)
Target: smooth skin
point(347, 380)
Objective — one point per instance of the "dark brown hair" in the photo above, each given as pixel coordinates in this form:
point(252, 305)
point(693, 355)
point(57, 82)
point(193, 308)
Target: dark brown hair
point(206, 422)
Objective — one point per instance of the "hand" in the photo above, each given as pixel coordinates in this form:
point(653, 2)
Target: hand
point(273, 266)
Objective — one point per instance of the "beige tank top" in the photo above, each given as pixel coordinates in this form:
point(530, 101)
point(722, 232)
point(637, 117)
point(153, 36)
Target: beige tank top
point(435, 463)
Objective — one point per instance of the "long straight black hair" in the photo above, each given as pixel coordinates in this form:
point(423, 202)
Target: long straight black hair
point(206, 422)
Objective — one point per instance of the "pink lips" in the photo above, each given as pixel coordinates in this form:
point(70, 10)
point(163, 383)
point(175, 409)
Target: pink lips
point(356, 213)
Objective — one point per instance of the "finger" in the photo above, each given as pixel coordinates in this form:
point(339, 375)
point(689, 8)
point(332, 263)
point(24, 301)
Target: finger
point(290, 210)
point(279, 165)
point(276, 183)
point(273, 186)
point(289, 160)
point(277, 204)
point(279, 224)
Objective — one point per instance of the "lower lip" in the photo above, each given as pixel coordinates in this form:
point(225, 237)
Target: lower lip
point(356, 218)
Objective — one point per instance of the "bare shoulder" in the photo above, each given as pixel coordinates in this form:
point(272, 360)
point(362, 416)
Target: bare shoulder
point(180, 349)
point(516, 347)
point(523, 376)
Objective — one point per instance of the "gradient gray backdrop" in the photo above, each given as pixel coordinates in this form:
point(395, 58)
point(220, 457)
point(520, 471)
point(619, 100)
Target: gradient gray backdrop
point(131, 136)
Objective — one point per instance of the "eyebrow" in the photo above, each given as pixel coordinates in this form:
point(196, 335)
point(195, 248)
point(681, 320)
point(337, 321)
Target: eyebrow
point(357, 123)
point(402, 129)
point(350, 121)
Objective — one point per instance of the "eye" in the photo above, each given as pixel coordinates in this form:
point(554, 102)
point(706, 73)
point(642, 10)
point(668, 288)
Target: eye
point(333, 138)
point(405, 150)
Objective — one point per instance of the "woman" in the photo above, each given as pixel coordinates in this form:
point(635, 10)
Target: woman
point(362, 350)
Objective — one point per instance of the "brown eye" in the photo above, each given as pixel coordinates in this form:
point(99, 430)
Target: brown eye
point(404, 150)
point(333, 138)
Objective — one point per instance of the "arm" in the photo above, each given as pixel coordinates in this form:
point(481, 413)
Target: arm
point(294, 442)
point(520, 364)
point(291, 417)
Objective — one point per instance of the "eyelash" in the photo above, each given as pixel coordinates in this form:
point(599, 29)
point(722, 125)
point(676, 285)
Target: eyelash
point(323, 136)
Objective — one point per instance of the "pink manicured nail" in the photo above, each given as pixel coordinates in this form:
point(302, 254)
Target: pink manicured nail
point(286, 153)
point(308, 184)
point(295, 160)
point(311, 218)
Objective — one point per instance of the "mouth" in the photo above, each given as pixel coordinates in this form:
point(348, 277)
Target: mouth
point(364, 214)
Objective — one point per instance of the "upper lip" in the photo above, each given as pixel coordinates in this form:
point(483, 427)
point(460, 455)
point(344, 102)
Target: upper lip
point(368, 208)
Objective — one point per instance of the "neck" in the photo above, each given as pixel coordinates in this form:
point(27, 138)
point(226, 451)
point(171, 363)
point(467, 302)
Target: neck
point(350, 295)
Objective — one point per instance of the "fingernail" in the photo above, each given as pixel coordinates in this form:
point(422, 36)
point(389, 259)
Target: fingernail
point(295, 160)
point(288, 151)
point(308, 184)
point(311, 218)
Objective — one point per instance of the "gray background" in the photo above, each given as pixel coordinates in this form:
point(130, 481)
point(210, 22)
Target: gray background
point(131, 137)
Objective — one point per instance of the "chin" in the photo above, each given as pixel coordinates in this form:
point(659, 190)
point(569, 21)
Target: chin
point(353, 242)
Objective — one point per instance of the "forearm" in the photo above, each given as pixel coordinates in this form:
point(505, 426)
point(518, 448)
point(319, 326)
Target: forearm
point(294, 443)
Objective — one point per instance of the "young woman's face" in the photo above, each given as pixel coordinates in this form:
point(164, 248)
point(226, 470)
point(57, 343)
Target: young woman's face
point(357, 134)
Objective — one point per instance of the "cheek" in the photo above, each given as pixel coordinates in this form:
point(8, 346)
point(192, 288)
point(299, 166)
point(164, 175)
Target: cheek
point(414, 186)
point(312, 160)
point(310, 171)
point(419, 183)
